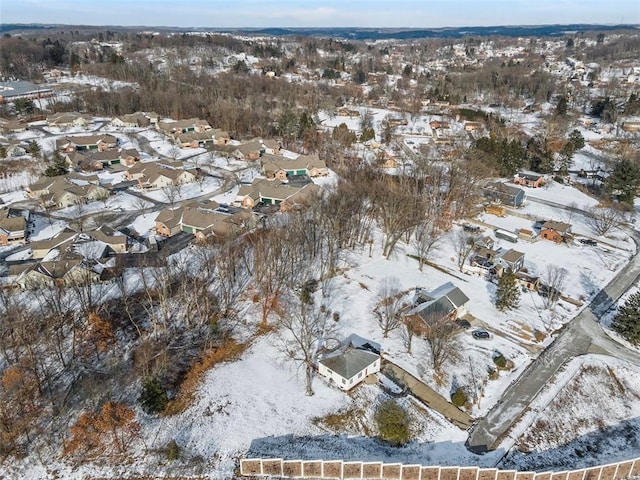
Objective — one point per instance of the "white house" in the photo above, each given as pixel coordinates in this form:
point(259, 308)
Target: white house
point(348, 368)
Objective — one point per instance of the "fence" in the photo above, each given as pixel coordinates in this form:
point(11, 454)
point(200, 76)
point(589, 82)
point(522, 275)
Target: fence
point(338, 469)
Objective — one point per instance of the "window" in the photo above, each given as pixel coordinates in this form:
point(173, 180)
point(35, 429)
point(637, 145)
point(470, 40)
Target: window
point(344, 381)
point(360, 375)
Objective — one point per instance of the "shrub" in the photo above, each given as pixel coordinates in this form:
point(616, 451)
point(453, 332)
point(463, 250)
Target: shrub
point(459, 398)
point(153, 398)
point(172, 451)
point(393, 423)
point(500, 361)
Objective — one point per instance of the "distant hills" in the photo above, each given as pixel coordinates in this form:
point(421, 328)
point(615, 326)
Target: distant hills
point(453, 32)
point(357, 33)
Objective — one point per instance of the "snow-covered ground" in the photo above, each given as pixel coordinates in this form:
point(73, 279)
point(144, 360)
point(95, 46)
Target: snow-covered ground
point(589, 416)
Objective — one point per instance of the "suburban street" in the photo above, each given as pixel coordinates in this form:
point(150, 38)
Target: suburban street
point(580, 336)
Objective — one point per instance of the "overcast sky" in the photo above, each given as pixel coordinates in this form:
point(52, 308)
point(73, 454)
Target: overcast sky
point(319, 13)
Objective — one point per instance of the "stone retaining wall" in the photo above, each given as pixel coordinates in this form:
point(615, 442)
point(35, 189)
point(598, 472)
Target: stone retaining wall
point(337, 469)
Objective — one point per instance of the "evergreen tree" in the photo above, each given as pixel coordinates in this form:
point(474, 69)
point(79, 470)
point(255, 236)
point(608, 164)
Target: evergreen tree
point(561, 108)
point(393, 423)
point(576, 140)
point(624, 181)
point(34, 149)
point(627, 320)
point(508, 294)
point(153, 397)
point(59, 166)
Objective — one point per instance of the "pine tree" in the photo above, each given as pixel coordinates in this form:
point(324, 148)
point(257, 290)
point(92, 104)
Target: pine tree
point(508, 295)
point(153, 397)
point(393, 423)
point(627, 320)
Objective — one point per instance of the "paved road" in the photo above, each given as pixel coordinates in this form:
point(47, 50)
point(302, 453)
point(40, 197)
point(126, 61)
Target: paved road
point(427, 395)
point(580, 336)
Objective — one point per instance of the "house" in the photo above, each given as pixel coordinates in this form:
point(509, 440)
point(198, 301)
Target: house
point(485, 241)
point(272, 147)
point(116, 241)
point(157, 177)
point(12, 126)
point(63, 272)
point(195, 139)
point(12, 229)
point(529, 179)
point(131, 120)
point(168, 222)
point(555, 231)
point(504, 194)
point(68, 119)
point(252, 150)
point(473, 126)
point(437, 124)
point(349, 365)
point(631, 126)
point(272, 193)
point(15, 149)
point(509, 260)
point(129, 156)
point(279, 168)
point(445, 301)
point(221, 137)
point(86, 142)
point(177, 127)
point(41, 248)
point(61, 192)
point(528, 281)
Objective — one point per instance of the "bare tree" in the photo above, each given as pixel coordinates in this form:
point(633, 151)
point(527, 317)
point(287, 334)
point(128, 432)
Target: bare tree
point(174, 152)
point(307, 328)
point(464, 244)
point(140, 204)
point(604, 219)
point(407, 332)
point(554, 280)
point(425, 238)
point(171, 194)
point(440, 332)
point(388, 305)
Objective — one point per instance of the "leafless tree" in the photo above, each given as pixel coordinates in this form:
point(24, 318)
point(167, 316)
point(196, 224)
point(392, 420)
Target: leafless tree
point(464, 244)
point(307, 328)
point(604, 219)
point(171, 194)
point(388, 305)
point(440, 332)
point(425, 238)
point(554, 280)
point(407, 332)
point(174, 152)
point(140, 204)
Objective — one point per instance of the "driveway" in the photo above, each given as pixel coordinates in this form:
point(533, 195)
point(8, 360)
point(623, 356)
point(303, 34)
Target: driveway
point(427, 395)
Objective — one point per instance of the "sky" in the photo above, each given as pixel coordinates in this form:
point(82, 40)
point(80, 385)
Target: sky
point(320, 13)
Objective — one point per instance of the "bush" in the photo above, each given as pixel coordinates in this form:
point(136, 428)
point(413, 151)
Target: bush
point(459, 398)
point(172, 451)
point(393, 423)
point(153, 397)
point(500, 361)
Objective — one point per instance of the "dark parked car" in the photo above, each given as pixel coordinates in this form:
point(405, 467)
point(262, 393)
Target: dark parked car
point(588, 241)
point(481, 335)
point(470, 228)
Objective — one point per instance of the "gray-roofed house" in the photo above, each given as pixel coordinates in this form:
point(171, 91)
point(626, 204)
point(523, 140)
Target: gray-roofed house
point(505, 194)
point(349, 367)
point(445, 301)
point(510, 259)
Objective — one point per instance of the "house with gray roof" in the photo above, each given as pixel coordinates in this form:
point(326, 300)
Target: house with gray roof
point(445, 301)
point(349, 367)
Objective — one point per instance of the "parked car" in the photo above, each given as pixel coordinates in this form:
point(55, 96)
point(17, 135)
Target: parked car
point(470, 228)
point(481, 335)
point(588, 241)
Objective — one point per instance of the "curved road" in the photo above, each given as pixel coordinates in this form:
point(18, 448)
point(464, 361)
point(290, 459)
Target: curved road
point(580, 336)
